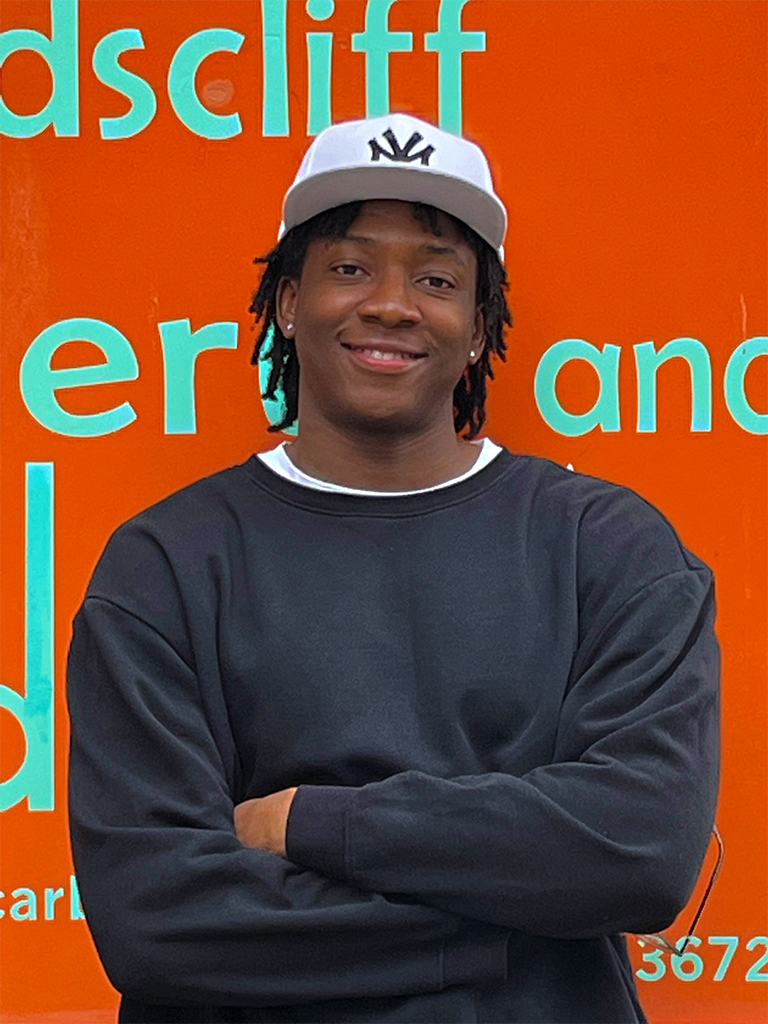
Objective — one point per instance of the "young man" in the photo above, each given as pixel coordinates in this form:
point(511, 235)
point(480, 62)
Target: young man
point(389, 724)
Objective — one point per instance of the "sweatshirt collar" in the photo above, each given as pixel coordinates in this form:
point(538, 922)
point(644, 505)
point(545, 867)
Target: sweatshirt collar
point(337, 503)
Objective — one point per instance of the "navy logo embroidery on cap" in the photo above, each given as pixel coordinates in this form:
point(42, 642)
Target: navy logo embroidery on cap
point(401, 155)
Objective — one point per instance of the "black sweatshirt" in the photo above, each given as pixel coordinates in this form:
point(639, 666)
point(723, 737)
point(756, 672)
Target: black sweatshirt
point(499, 700)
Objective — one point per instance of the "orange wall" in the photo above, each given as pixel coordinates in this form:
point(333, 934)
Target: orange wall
point(628, 141)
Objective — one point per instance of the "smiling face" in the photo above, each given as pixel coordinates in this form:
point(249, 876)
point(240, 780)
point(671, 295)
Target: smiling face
point(384, 320)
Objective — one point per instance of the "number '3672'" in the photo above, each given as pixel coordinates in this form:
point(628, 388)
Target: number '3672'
point(690, 965)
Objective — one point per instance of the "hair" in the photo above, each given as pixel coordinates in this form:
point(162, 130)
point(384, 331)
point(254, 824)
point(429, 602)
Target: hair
point(287, 260)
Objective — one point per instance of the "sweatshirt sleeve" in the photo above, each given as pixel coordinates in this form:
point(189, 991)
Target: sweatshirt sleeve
point(179, 910)
point(610, 836)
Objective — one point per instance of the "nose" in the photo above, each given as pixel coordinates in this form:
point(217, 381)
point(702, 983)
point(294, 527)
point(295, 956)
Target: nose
point(390, 301)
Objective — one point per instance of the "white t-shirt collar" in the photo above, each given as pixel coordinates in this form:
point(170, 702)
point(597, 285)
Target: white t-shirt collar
point(278, 461)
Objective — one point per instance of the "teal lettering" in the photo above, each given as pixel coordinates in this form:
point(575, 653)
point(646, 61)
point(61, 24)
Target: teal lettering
point(39, 382)
point(654, 957)
point(275, 60)
point(319, 54)
point(377, 42)
point(735, 394)
point(34, 711)
point(75, 909)
point(647, 362)
point(181, 347)
point(25, 907)
point(60, 54)
point(49, 899)
point(731, 943)
point(181, 83)
point(450, 42)
point(604, 413)
point(108, 70)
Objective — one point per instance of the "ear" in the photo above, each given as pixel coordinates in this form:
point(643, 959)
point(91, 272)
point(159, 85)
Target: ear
point(287, 301)
point(478, 337)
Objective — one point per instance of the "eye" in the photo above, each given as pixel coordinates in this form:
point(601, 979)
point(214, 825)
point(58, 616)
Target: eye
point(348, 269)
point(435, 281)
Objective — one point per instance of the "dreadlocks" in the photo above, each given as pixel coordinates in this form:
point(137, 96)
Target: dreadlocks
point(287, 260)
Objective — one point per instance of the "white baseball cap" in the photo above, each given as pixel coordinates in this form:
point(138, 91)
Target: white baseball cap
point(396, 157)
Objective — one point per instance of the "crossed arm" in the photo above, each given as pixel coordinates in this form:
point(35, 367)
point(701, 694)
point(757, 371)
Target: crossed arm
point(609, 837)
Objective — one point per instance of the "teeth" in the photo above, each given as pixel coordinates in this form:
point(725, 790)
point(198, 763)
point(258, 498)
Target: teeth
point(377, 354)
point(384, 355)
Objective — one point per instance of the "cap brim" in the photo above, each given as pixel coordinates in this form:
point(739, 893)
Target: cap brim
point(475, 207)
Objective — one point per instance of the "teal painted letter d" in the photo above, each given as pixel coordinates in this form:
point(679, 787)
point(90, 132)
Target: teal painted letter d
point(34, 710)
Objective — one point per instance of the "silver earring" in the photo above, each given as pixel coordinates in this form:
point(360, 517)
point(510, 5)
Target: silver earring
point(472, 354)
point(289, 327)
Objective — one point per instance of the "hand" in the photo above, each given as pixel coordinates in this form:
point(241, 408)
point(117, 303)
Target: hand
point(261, 823)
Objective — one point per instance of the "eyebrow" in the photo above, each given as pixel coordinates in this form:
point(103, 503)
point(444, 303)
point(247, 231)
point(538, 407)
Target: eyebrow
point(444, 250)
point(363, 239)
point(433, 250)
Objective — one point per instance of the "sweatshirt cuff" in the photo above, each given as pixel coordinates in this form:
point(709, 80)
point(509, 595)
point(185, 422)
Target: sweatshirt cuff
point(316, 832)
